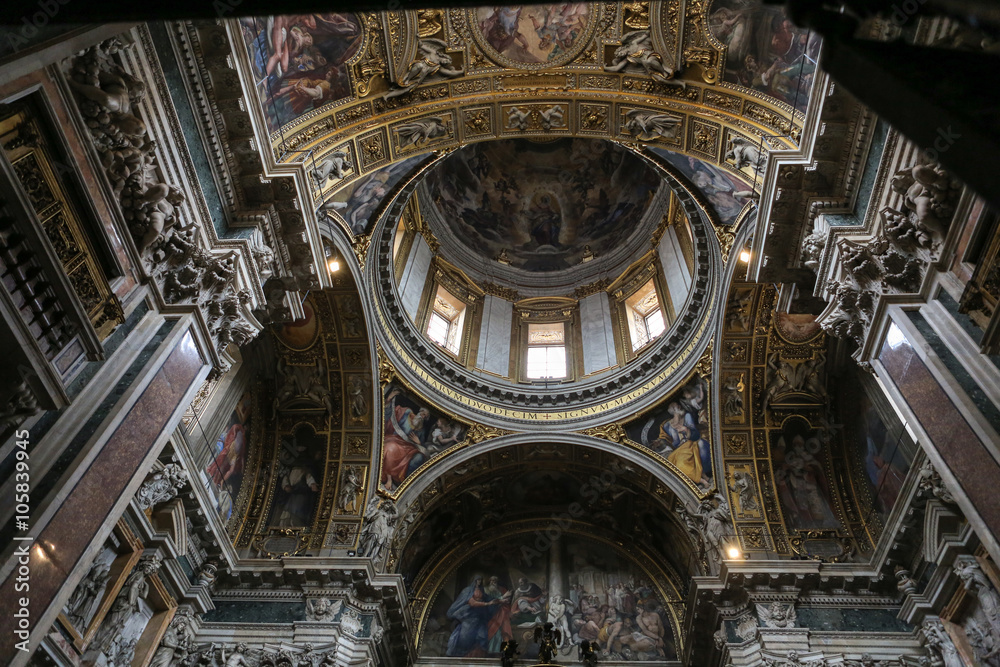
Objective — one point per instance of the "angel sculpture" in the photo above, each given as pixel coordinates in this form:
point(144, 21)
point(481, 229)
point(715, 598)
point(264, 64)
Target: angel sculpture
point(648, 125)
point(548, 639)
point(588, 653)
point(809, 376)
point(508, 653)
point(431, 61)
point(333, 165)
point(552, 117)
point(780, 376)
point(419, 132)
point(744, 153)
point(777, 615)
point(322, 609)
point(517, 118)
point(636, 52)
point(743, 486)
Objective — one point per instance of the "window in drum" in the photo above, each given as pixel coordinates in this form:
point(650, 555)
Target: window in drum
point(645, 316)
point(546, 353)
point(444, 326)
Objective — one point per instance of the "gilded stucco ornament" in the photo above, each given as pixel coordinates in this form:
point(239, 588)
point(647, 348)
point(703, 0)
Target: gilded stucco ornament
point(636, 54)
point(432, 64)
point(479, 433)
point(611, 432)
point(361, 244)
point(386, 369)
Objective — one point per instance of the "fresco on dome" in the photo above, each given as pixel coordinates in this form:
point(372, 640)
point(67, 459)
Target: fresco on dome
point(678, 429)
point(585, 588)
point(766, 52)
point(301, 464)
point(798, 458)
point(300, 61)
point(359, 201)
point(532, 34)
point(727, 192)
point(413, 434)
point(543, 204)
point(224, 473)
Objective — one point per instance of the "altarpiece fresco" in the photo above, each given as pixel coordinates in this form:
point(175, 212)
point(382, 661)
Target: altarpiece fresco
point(584, 587)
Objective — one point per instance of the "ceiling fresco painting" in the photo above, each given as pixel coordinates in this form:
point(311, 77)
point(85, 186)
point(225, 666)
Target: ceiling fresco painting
point(765, 51)
point(317, 418)
point(533, 35)
point(522, 483)
point(544, 205)
point(587, 589)
point(357, 203)
point(789, 447)
point(301, 463)
point(727, 193)
point(799, 456)
point(225, 471)
point(299, 334)
point(882, 446)
point(413, 434)
point(678, 430)
point(504, 346)
point(299, 61)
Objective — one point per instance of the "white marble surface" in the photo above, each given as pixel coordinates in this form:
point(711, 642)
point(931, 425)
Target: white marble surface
point(493, 354)
point(411, 283)
point(675, 271)
point(598, 336)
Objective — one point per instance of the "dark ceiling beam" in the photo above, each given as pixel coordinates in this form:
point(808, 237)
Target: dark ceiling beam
point(942, 99)
point(14, 12)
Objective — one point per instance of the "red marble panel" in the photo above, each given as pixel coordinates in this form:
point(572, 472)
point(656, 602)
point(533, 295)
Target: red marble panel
point(965, 454)
point(63, 540)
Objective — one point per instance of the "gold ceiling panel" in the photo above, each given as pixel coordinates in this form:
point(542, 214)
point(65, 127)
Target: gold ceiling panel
point(447, 78)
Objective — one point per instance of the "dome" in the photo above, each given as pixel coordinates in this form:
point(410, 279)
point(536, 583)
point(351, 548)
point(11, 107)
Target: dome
point(541, 207)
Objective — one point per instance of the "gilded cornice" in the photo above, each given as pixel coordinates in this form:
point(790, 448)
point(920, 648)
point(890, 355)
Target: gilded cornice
point(475, 104)
point(710, 119)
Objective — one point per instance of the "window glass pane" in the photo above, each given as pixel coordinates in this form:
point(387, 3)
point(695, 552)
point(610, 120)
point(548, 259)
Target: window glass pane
point(454, 334)
point(655, 324)
point(546, 362)
point(437, 329)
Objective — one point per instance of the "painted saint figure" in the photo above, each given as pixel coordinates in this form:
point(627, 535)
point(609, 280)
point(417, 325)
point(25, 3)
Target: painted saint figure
point(403, 447)
point(472, 609)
